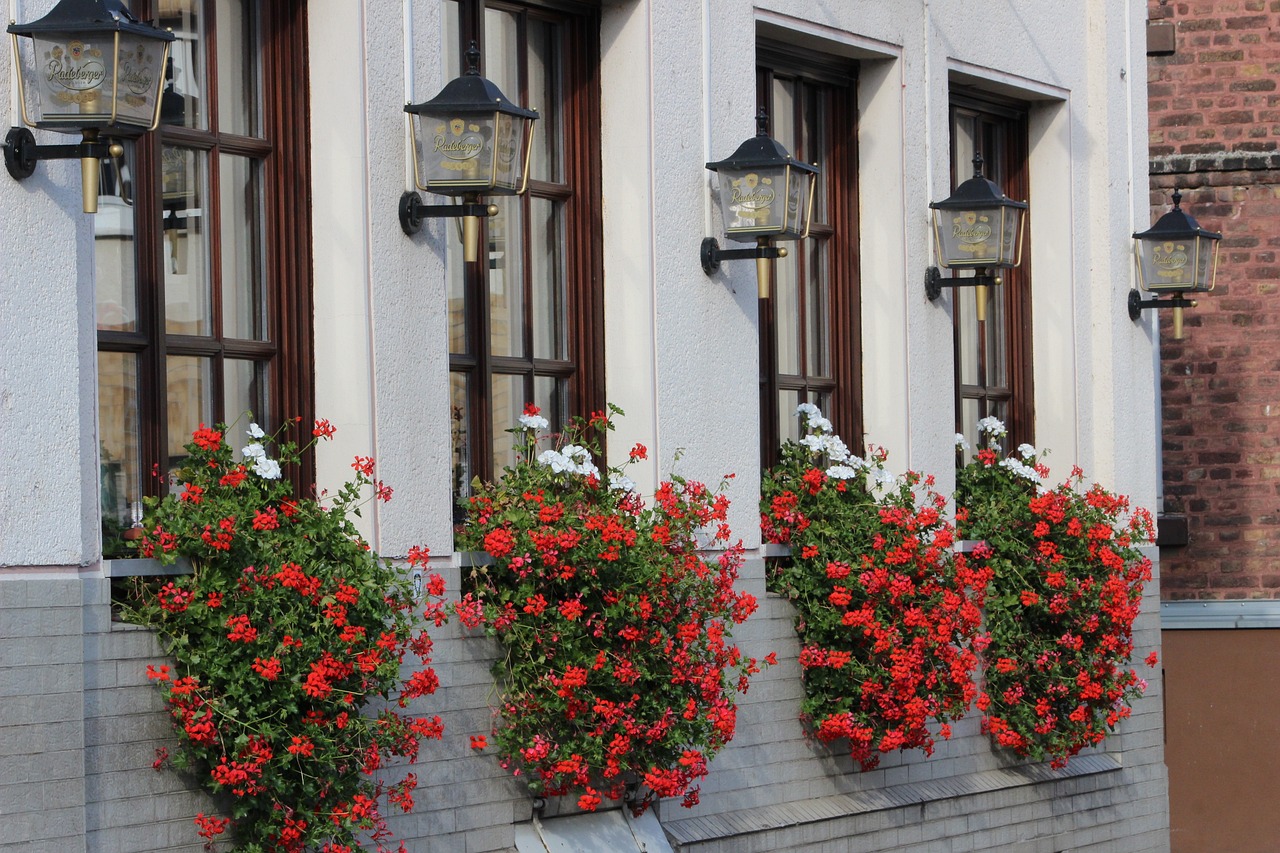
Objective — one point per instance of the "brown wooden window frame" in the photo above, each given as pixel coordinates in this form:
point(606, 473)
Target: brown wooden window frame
point(1003, 125)
point(832, 84)
point(284, 306)
point(578, 193)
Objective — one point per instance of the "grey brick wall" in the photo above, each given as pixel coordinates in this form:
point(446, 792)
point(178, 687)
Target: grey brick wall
point(79, 726)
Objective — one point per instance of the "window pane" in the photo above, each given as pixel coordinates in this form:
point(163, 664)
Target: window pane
point(460, 433)
point(459, 341)
point(817, 310)
point(786, 307)
point(550, 395)
point(812, 149)
point(243, 314)
point(788, 423)
point(547, 258)
point(508, 402)
point(506, 278)
point(451, 27)
point(502, 51)
point(121, 466)
point(182, 100)
point(244, 389)
point(237, 88)
point(782, 119)
point(997, 358)
point(966, 334)
point(189, 391)
point(114, 261)
point(544, 96)
point(970, 414)
point(187, 287)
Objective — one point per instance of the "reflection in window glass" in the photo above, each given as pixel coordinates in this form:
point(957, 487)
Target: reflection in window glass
point(244, 391)
point(115, 266)
point(189, 389)
point(506, 278)
point(188, 290)
point(182, 100)
point(508, 404)
point(119, 450)
point(547, 259)
point(237, 99)
point(242, 304)
point(459, 433)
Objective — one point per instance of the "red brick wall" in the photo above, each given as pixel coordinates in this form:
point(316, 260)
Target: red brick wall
point(1214, 127)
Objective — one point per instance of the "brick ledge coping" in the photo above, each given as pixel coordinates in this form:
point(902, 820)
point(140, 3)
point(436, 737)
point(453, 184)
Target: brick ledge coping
point(694, 830)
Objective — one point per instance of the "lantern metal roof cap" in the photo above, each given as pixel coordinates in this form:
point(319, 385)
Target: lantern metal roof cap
point(977, 192)
point(761, 151)
point(90, 16)
point(470, 94)
point(1176, 225)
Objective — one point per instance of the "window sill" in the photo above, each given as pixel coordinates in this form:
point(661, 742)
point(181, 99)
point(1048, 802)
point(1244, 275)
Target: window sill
point(144, 567)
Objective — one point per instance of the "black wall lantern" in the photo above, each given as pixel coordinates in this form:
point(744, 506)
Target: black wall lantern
point(1174, 256)
point(765, 195)
point(88, 66)
point(468, 141)
point(977, 228)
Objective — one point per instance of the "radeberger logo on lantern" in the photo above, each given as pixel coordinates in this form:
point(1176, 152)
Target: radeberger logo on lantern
point(752, 192)
point(76, 69)
point(459, 141)
point(971, 229)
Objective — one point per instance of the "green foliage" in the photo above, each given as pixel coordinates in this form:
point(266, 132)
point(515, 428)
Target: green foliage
point(888, 615)
point(1066, 589)
point(289, 628)
point(617, 666)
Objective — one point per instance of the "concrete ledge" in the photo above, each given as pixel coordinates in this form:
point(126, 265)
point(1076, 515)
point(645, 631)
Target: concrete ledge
point(719, 827)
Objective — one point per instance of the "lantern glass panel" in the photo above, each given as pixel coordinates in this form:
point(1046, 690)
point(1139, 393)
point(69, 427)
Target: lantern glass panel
point(1181, 265)
point(69, 81)
point(455, 154)
point(141, 70)
point(976, 237)
point(764, 202)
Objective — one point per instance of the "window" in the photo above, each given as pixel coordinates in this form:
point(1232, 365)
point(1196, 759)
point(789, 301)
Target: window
point(203, 248)
point(809, 330)
point(525, 322)
point(993, 356)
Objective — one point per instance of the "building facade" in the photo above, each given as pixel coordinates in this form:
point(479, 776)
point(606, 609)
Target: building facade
point(249, 255)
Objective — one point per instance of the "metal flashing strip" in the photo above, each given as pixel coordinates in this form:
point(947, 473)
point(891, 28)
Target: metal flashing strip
point(614, 831)
point(1209, 615)
point(786, 816)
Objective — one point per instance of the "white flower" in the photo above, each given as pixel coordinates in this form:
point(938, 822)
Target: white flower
point(1026, 451)
point(842, 472)
point(534, 422)
point(571, 458)
point(254, 451)
point(621, 483)
point(267, 469)
point(255, 431)
point(882, 477)
point(961, 441)
point(1024, 471)
point(820, 424)
point(991, 426)
point(809, 410)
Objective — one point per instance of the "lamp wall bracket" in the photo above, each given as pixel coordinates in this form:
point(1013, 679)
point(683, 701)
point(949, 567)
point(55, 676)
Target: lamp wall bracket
point(712, 254)
point(21, 153)
point(1137, 304)
point(413, 211)
point(934, 281)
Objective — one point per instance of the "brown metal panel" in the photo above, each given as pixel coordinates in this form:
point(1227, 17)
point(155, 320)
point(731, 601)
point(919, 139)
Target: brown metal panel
point(1222, 730)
